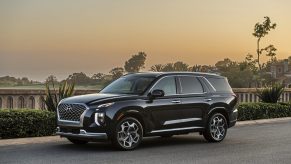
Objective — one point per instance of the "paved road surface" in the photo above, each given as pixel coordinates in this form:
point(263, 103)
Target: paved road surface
point(267, 143)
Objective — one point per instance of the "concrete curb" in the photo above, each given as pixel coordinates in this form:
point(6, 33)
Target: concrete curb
point(48, 139)
point(263, 121)
point(30, 140)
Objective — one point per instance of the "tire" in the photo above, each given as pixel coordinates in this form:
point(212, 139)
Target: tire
point(216, 128)
point(127, 134)
point(77, 142)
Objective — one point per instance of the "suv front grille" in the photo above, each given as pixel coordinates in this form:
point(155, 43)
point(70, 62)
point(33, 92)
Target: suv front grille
point(71, 112)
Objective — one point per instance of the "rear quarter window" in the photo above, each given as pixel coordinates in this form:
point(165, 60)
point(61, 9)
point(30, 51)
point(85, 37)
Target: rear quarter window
point(220, 84)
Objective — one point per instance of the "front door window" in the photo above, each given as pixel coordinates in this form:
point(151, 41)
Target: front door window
point(168, 85)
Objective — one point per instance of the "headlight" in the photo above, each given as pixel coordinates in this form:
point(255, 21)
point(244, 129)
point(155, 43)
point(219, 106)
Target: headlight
point(99, 118)
point(105, 105)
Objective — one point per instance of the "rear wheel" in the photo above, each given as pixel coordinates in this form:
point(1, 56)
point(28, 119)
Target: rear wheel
point(77, 142)
point(216, 128)
point(128, 134)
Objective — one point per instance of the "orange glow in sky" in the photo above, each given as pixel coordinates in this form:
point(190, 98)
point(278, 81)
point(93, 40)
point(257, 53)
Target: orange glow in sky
point(39, 38)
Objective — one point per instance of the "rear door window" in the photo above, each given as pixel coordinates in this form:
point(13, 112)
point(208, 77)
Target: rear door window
point(190, 84)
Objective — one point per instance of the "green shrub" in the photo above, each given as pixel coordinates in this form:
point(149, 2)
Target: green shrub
point(33, 123)
point(254, 111)
point(271, 94)
point(26, 123)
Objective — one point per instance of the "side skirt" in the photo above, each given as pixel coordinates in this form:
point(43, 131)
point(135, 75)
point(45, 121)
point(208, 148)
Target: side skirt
point(177, 129)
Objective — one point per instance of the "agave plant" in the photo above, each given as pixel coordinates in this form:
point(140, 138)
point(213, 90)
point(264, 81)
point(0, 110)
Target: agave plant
point(270, 94)
point(53, 96)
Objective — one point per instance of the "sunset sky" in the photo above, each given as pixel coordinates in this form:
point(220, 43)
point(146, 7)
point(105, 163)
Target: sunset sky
point(43, 37)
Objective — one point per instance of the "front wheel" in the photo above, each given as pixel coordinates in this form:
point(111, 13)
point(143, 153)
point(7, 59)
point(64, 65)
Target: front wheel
point(128, 134)
point(216, 128)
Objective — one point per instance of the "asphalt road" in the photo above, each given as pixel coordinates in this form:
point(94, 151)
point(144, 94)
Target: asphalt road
point(268, 143)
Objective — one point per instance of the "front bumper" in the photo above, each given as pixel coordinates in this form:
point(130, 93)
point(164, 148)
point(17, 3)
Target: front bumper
point(83, 134)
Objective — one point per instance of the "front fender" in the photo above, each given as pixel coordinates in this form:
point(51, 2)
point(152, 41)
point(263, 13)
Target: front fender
point(115, 115)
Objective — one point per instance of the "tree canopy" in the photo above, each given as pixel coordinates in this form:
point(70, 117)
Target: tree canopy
point(135, 63)
point(116, 72)
point(260, 31)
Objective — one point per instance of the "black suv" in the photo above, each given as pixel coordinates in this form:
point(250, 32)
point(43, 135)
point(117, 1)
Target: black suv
point(150, 104)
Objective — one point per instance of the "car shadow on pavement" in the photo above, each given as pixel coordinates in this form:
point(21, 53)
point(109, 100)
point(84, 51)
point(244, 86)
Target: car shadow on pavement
point(172, 141)
point(91, 146)
point(147, 143)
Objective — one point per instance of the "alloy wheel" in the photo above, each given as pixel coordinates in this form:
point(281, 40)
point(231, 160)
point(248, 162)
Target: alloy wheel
point(129, 134)
point(218, 128)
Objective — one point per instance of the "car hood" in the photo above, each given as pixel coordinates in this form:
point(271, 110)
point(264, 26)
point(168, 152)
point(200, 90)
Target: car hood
point(93, 98)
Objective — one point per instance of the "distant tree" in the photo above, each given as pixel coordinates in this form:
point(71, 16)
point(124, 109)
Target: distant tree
point(25, 80)
point(239, 75)
point(116, 72)
point(208, 68)
point(135, 63)
point(157, 68)
point(225, 64)
point(98, 76)
point(180, 66)
point(80, 79)
point(250, 62)
point(51, 79)
point(201, 68)
point(195, 68)
point(12, 81)
point(289, 60)
point(260, 31)
point(270, 51)
point(168, 67)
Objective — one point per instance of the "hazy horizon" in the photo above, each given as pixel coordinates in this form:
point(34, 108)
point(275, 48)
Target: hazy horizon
point(39, 38)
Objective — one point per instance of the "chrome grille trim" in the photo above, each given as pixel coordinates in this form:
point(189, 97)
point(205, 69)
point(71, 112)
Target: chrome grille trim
point(77, 114)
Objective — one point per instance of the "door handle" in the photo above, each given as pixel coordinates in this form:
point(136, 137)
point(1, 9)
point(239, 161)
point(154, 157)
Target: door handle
point(208, 99)
point(176, 101)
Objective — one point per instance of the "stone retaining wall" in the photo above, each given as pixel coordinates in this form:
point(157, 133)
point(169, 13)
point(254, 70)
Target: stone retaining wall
point(33, 98)
point(28, 98)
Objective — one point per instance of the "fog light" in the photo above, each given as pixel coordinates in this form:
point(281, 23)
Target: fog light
point(99, 118)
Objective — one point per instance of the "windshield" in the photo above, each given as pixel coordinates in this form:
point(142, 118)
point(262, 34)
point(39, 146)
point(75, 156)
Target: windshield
point(128, 85)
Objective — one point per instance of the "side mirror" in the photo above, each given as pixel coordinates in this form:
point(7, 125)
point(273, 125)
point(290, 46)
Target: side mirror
point(156, 93)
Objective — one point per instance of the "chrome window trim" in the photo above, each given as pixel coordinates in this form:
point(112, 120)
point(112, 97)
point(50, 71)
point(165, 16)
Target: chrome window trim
point(73, 123)
point(181, 121)
point(177, 129)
